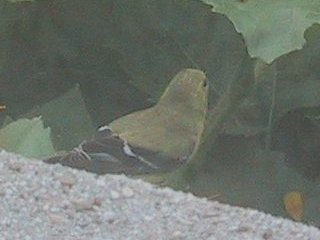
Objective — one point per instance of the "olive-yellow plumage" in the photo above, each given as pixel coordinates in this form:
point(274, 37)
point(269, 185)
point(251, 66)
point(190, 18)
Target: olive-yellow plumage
point(174, 125)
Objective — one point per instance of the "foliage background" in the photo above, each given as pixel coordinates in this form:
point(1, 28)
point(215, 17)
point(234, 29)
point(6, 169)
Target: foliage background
point(80, 64)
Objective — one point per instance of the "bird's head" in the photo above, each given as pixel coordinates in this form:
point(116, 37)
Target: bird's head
point(187, 90)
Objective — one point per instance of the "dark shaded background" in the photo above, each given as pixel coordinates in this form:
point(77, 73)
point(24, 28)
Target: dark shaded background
point(122, 54)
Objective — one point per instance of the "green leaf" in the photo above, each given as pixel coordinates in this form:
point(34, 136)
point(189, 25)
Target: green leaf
point(270, 28)
point(122, 53)
point(291, 82)
point(27, 137)
point(68, 119)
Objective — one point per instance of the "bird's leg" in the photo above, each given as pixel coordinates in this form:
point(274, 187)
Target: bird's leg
point(78, 151)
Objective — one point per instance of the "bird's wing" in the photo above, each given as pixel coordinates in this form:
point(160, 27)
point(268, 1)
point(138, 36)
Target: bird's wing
point(106, 153)
point(158, 129)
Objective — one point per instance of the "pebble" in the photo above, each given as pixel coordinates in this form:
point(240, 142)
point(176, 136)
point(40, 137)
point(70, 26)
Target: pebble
point(15, 166)
point(57, 218)
point(114, 194)
point(67, 180)
point(177, 234)
point(127, 192)
point(82, 204)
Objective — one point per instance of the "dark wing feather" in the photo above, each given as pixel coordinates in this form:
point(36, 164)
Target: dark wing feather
point(106, 153)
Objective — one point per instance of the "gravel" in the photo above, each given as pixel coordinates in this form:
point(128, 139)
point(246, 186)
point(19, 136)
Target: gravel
point(40, 201)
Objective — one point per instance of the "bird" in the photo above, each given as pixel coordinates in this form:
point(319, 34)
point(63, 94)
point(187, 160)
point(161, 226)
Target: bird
point(157, 139)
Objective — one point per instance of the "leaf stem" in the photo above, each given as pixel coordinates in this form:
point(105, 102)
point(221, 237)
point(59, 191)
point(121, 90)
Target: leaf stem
point(272, 108)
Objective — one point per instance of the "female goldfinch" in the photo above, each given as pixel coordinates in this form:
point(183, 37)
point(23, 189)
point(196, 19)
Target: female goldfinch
point(157, 139)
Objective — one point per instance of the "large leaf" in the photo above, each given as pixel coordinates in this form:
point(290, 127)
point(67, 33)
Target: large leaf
point(270, 28)
point(27, 137)
point(122, 53)
point(291, 82)
point(67, 117)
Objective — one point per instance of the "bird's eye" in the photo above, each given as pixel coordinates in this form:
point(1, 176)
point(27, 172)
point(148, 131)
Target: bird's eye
point(205, 83)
